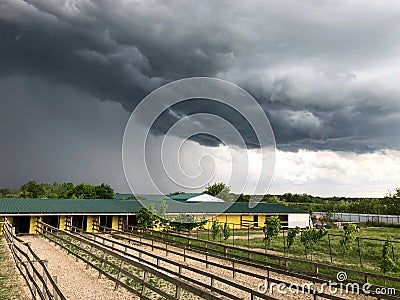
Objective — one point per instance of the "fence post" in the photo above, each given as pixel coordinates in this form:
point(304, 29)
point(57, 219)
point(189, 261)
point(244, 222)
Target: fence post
point(248, 236)
point(233, 267)
point(178, 288)
point(34, 279)
point(233, 235)
point(145, 274)
point(330, 247)
point(55, 295)
point(102, 263)
point(44, 277)
point(119, 275)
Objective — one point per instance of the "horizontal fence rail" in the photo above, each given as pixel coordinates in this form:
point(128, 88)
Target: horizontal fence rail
point(289, 266)
point(361, 218)
point(34, 270)
point(234, 267)
point(135, 275)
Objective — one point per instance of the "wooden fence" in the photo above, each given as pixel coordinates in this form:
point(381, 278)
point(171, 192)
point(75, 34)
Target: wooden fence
point(34, 271)
point(280, 264)
point(134, 274)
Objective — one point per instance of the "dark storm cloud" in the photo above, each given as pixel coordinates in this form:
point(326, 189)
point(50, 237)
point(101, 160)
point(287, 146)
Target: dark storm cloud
point(323, 72)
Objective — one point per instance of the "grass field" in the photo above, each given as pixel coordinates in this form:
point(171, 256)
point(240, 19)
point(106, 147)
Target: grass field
point(8, 286)
point(364, 255)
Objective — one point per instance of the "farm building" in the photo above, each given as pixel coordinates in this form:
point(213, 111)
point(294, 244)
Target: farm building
point(88, 214)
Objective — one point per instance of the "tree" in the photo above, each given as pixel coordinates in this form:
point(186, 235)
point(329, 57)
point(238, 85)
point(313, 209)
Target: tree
point(271, 229)
point(291, 235)
point(162, 216)
point(145, 217)
point(226, 231)
point(349, 237)
point(215, 229)
point(175, 193)
point(220, 190)
point(186, 222)
point(310, 237)
point(387, 263)
point(243, 198)
point(32, 190)
point(104, 191)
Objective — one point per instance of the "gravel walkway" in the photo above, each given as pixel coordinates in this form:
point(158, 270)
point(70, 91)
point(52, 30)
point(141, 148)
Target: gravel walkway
point(72, 277)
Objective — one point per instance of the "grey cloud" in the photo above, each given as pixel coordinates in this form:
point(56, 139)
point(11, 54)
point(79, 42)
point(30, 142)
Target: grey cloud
point(303, 62)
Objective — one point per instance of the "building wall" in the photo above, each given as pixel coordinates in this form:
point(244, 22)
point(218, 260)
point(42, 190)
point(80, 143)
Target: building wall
point(32, 224)
point(301, 220)
point(89, 224)
point(234, 221)
point(62, 222)
point(115, 222)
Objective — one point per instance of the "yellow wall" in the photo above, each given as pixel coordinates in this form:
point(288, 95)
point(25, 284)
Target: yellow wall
point(32, 224)
point(89, 224)
point(261, 220)
point(62, 223)
point(115, 222)
point(1, 225)
point(234, 220)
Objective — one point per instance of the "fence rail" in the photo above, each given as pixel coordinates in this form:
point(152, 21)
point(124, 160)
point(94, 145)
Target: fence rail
point(124, 269)
point(34, 270)
point(356, 217)
point(280, 264)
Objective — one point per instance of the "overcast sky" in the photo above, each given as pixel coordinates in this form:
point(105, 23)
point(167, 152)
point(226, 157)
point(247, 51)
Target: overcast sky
point(326, 73)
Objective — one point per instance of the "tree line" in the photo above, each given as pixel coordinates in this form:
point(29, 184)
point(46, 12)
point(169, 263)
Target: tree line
point(66, 190)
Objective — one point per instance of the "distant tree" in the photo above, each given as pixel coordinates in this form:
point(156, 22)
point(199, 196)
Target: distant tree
point(104, 191)
point(5, 192)
point(243, 198)
point(32, 190)
point(176, 193)
point(83, 191)
point(220, 190)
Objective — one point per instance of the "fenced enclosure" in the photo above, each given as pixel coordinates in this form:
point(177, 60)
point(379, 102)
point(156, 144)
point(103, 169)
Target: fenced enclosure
point(362, 218)
point(34, 271)
point(144, 277)
point(271, 263)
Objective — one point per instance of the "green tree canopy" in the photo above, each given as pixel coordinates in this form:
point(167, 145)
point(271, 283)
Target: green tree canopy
point(220, 190)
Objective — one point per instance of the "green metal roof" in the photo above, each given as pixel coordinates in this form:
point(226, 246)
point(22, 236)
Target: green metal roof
point(93, 206)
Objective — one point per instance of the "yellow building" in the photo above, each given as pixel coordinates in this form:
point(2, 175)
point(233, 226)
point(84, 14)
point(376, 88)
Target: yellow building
point(89, 214)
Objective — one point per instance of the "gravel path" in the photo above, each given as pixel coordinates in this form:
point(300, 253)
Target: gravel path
point(72, 277)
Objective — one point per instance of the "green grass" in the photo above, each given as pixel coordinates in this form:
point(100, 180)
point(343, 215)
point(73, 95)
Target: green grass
point(370, 250)
point(8, 285)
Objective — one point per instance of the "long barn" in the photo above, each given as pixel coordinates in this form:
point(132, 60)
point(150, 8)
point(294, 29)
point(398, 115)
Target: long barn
point(86, 214)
